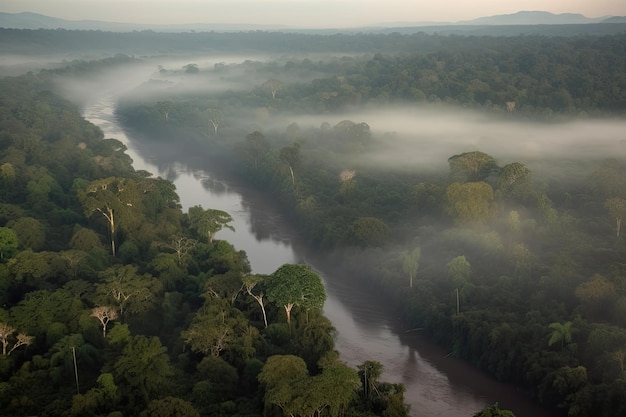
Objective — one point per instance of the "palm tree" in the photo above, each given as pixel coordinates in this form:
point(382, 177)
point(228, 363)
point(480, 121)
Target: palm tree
point(561, 333)
point(411, 263)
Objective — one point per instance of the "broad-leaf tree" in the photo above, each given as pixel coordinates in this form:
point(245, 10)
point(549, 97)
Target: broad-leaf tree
point(249, 283)
point(470, 201)
point(369, 231)
point(617, 209)
point(296, 285)
point(127, 289)
point(208, 222)
point(104, 314)
point(471, 166)
point(273, 86)
point(255, 148)
point(514, 181)
point(8, 242)
point(8, 337)
point(216, 327)
point(144, 366)
point(165, 108)
point(115, 199)
point(494, 410)
point(277, 376)
point(290, 157)
point(169, 406)
point(215, 117)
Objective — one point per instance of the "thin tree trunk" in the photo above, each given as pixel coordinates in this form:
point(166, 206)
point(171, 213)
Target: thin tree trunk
point(293, 178)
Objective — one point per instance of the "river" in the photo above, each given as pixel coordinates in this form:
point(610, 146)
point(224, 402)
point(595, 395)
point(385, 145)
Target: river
point(436, 385)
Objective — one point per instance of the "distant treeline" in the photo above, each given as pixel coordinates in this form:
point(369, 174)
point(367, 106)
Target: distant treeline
point(95, 43)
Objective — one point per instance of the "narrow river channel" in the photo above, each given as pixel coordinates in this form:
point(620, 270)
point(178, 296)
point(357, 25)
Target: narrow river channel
point(436, 385)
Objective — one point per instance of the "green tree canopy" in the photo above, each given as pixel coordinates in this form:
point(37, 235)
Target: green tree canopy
point(8, 242)
point(470, 201)
point(494, 411)
point(207, 223)
point(296, 285)
point(410, 263)
point(144, 367)
point(116, 200)
point(471, 166)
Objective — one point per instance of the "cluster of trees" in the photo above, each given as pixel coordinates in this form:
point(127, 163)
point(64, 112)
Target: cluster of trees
point(523, 276)
point(518, 272)
point(116, 302)
point(529, 77)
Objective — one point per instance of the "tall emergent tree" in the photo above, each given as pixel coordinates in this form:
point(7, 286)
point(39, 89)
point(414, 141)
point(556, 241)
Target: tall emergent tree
point(411, 262)
point(104, 314)
point(290, 157)
point(251, 281)
point(471, 166)
point(215, 117)
point(7, 333)
point(131, 292)
point(459, 270)
point(617, 209)
point(296, 285)
point(116, 199)
point(208, 222)
point(561, 332)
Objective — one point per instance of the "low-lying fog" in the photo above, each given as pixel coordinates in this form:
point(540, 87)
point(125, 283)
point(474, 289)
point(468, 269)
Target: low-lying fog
point(422, 135)
point(430, 134)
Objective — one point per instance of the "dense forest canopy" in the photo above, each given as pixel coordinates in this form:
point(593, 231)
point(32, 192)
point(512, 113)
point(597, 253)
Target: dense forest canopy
point(513, 256)
point(116, 302)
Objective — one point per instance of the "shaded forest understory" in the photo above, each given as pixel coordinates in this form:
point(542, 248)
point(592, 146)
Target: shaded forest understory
point(518, 267)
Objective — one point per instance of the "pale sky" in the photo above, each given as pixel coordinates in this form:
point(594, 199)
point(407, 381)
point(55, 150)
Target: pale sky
point(301, 13)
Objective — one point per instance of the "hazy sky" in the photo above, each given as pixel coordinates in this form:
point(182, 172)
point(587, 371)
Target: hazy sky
point(302, 13)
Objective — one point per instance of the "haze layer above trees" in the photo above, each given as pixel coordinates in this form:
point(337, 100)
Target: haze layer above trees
point(514, 260)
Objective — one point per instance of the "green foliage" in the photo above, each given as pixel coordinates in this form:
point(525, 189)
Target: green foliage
point(494, 410)
point(471, 166)
point(122, 286)
point(561, 334)
point(470, 201)
point(170, 407)
point(8, 242)
point(206, 223)
point(143, 367)
point(547, 285)
point(368, 231)
point(410, 263)
point(296, 285)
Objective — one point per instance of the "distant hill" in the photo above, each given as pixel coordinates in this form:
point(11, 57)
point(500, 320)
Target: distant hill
point(26, 20)
point(535, 18)
point(615, 19)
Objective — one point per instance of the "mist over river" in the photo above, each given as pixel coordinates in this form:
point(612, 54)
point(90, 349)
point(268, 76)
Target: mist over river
point(367, 329)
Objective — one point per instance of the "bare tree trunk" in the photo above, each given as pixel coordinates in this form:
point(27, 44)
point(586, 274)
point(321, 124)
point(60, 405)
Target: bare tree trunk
point(293, 177)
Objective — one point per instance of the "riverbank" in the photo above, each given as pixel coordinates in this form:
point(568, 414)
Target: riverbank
point(368, 327)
